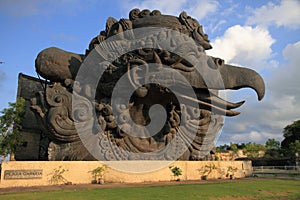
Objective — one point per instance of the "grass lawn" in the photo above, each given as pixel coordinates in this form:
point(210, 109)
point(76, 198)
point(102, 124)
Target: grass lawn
point(252, 189)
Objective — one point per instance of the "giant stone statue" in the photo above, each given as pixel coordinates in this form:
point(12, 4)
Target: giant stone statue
point(144, 90)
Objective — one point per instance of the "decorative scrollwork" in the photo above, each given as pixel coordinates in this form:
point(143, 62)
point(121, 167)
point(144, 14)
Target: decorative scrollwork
point(61, 118)
point(134, 14)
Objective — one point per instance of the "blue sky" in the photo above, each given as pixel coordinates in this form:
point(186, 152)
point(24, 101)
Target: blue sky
point(262, 35)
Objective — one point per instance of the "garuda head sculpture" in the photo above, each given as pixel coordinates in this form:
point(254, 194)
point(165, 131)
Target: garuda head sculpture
point(145, 89)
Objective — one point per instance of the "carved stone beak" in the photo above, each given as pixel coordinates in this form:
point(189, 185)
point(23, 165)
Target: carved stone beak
point(232, 78)
point(222, 76)
point(237, 77)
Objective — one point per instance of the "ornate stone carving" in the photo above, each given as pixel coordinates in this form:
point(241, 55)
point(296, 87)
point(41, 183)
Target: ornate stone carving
point(70, 104)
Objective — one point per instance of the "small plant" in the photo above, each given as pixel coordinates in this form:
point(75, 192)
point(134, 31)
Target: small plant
point(98, 174)
point(231, 171)
point(176, 171)
point(206, 170)
point(57, 176)
point(221, 172)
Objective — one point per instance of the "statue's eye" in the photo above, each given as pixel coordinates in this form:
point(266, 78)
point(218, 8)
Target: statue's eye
point(219, 62)
point(214, 63)
point(211, 63)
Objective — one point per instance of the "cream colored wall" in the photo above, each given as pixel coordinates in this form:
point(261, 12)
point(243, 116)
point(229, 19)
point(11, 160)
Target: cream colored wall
point(78, 172)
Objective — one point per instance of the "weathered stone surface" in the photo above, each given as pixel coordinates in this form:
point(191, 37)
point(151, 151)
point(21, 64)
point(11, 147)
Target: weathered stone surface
point(34, 132)
point(57, 65)
point(74, 105)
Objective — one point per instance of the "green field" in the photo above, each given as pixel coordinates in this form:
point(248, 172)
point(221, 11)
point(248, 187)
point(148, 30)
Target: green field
point(252, 189)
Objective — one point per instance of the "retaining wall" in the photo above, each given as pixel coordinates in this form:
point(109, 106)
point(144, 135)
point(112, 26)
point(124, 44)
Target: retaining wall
point(38, 173)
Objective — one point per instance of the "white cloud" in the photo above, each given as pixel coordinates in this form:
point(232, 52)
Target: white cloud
point(244, 45)
point(287, 13)
point(164, 6)
point(255, 137)
point(217, 26)
point(196, 8)
point(286, 78)
point(200, 9)
point(232, 8)
point(291, 52)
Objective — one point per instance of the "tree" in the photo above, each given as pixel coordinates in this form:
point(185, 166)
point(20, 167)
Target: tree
point(222, 148)
point(252, 150)
point(272, 149)
point(294, 150)
point(10, 126)
point(295, 147)
point(291, 133)
point(290, 144)
point(234, 150)
point(272, 144)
